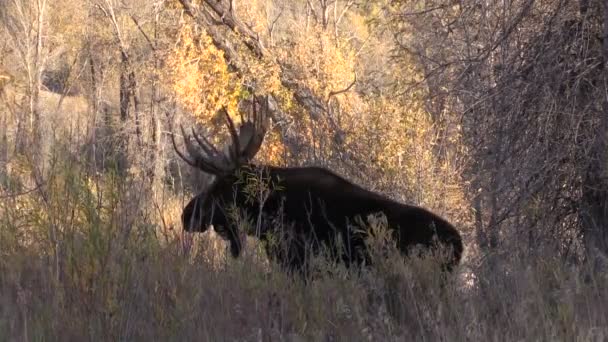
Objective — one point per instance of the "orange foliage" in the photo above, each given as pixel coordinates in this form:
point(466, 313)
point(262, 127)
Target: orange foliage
point(395, 137)
point(199, 76)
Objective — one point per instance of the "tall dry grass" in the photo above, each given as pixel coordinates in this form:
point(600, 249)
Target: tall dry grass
point(99, 257)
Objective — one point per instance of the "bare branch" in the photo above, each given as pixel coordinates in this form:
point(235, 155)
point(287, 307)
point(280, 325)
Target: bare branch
point(338, 92)
point(141, 30)
point(348, 5)
point(271, 23)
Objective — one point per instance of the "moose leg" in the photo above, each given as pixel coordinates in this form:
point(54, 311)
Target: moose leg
point(231, 234)
point(354, 247)
point(287, 249)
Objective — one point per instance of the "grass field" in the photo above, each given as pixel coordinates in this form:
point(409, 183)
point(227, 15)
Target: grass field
point(89, 258)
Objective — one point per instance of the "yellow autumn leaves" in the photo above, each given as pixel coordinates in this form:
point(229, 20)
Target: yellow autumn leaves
point(199, 76)
point(395, 136)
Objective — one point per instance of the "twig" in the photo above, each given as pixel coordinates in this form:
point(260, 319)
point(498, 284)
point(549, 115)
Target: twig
point(22, 193)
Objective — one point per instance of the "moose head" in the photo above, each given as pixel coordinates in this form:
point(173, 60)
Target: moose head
point(210, 207)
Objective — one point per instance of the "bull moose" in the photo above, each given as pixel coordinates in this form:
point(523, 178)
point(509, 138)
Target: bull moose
point(299, 211)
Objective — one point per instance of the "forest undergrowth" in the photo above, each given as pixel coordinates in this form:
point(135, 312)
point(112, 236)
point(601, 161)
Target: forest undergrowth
point(95, 257)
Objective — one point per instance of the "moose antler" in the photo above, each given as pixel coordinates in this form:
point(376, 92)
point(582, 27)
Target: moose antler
point(254, 129)
point(245, 143)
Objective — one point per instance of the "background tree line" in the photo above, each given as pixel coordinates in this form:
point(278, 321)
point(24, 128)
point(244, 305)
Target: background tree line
point(492, 113)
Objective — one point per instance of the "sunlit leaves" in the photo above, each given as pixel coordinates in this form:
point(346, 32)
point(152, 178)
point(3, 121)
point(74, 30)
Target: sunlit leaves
point(200, 77)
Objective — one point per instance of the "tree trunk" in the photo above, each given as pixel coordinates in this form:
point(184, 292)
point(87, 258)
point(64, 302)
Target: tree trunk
point(36, 145)
point(595, 187)
point(3, 144)
point(124, 90)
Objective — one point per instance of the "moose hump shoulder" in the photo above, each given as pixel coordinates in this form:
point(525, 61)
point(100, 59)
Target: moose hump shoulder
point(311, 208)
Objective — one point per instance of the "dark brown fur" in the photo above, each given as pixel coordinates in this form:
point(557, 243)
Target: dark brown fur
point(310, 209)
